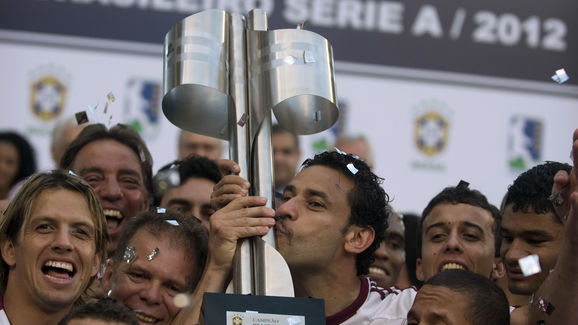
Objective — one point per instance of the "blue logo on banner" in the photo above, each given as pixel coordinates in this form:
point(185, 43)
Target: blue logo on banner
point(47, 98)
point(524, 142)
point(431, 132)
point(143, 105)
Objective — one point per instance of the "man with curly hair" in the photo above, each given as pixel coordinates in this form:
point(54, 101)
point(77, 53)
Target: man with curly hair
point(531, 226)
point(331, 222)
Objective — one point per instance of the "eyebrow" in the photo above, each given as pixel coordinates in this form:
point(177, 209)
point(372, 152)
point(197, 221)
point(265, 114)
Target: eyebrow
point(435, 225)
point(321, 194)
point(394, 235)
point(472, 225)
point(54, 220)
point(179, 201)
point(442, 224)
point(100, 170)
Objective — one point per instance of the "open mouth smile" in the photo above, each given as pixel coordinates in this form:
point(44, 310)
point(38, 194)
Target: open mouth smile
point(58, 270)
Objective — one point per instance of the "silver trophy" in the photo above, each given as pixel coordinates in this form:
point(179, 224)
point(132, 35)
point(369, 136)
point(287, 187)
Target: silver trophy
point(223, 75)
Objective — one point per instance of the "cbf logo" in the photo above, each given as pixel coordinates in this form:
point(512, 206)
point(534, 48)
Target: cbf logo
point(142, 106)
point(237, 320)
point(48, 95)
point(525, 140)
point(431, 132)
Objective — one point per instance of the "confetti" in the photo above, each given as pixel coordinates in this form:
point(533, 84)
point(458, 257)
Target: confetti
point(110, 97)
point(70, 172)
point(344, 153)
point(172, 222)
point(81, 117)
point(352, 168)
point(556, 199)
point(92, 108)
point(161, 210)
point(463, 184)
point(289, 60)
point(105, 107)
point(545, 306)
point(129, 255)
point(182, 300)
point(560, 76)
point(530, 265)
point(308, 57)
point(340, 152)
point(153, 254)
point(243, 120)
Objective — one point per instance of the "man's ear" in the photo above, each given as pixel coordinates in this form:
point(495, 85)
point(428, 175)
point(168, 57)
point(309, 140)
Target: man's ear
point(418, 269)
point(8, 251)
point(148, 199)
point(499, 269)
point(106, 280)
point(96, 264)
point(358, 239)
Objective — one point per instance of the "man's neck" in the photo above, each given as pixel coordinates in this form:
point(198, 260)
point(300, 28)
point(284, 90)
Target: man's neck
point(338, 290)
point(22, 311)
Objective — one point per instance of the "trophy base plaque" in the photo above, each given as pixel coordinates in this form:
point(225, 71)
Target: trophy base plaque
point(235, 309)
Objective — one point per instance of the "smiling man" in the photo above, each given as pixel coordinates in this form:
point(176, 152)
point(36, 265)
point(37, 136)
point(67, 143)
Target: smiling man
point(53, 238)
point(530, 225)
point(192, 194)
point(160, 255)
point(459, 230)
point(118, 165)
point(390, 256)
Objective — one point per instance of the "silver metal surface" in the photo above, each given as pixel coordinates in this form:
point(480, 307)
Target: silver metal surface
point(196, 76)
point(239, 142)
point(294, 71)
point(223, 79)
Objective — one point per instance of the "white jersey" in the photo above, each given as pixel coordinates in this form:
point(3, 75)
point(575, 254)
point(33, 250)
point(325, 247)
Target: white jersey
point(376, 305)
point(3, 317)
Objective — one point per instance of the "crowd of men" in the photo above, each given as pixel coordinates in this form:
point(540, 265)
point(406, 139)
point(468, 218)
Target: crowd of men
point(102, 236)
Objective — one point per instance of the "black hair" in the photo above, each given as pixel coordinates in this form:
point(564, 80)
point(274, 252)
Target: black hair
point(411, 225)
point(533, 187)
point(367, 199)
point(26, 155)
point(488, 304)
point(462, 194)
point(104, 309)
point(193, 166)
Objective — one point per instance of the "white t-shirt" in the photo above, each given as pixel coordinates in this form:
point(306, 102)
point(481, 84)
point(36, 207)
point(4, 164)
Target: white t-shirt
point(376, 305)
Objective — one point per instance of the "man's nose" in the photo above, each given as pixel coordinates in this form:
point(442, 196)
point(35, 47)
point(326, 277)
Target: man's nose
point(454, 243)
point(109, 190)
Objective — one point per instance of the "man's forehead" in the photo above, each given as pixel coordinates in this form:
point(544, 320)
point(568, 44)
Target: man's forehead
point(131, 165)
point(395, 224)
point(456, 214)
point(529, 220)
point(284, 139)
point(322, 179)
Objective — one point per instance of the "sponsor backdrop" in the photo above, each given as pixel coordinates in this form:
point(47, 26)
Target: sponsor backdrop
point(443, 92)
